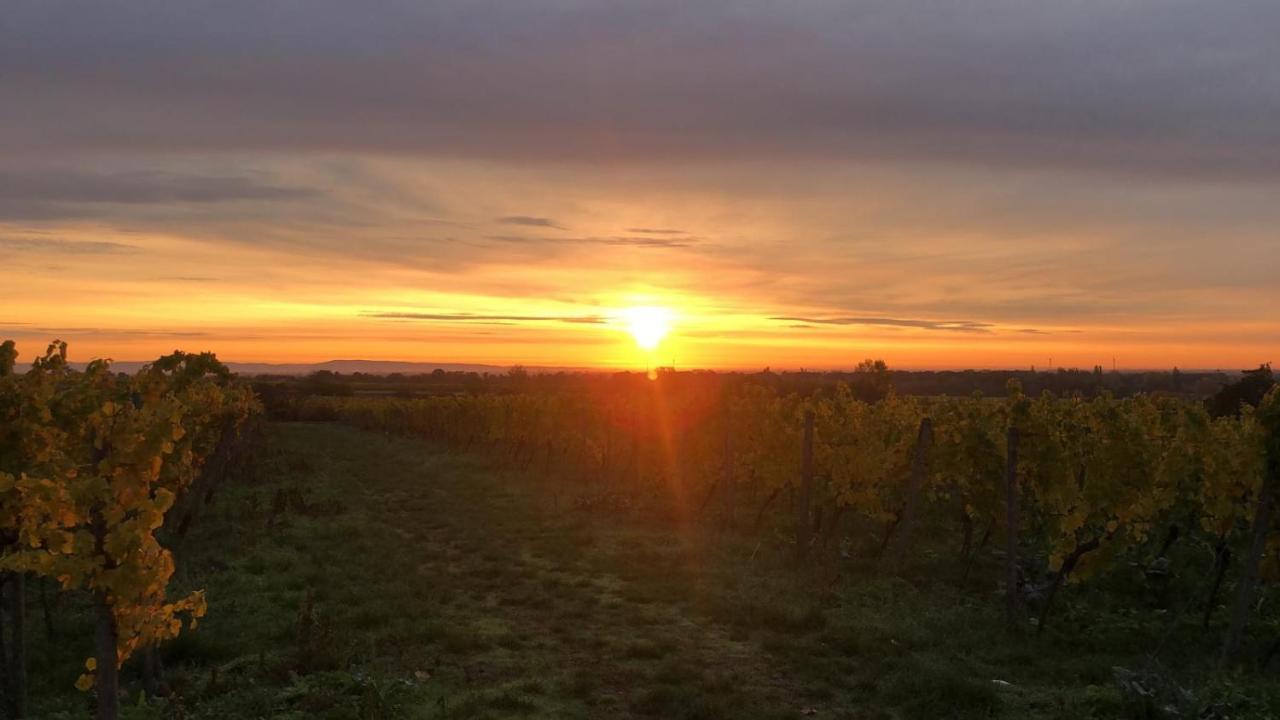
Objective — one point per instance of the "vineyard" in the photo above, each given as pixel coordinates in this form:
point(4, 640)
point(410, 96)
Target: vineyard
point(692, 545)
point(100, 475)
point(1061, 490)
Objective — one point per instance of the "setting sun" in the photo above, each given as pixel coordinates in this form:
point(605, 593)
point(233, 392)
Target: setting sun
point(648, 325)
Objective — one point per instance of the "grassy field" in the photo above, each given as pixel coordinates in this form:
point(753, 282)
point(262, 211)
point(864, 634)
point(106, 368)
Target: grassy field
point(359, 576)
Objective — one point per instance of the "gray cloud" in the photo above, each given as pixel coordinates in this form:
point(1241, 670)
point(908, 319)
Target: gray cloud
point(1089, 85)
point(54, 192)
point(530, 221)
point(51, 185)
point(656, 231)
point(966, 326)
point(487, 319)
point(65, 247)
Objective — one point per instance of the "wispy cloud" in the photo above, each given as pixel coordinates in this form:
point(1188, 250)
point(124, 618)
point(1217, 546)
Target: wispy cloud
point(133, 187)
point(530, 221)
point(966, 326)
point(188, 279)
point(487, 319)
point(615, 240)
point(45, 193)
point(656, 231)
point(100, 332)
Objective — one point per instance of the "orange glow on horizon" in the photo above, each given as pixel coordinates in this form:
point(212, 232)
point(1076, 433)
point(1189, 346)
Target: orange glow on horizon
point(697, 282)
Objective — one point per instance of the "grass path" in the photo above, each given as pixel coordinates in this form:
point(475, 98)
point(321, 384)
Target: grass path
point(455, 594)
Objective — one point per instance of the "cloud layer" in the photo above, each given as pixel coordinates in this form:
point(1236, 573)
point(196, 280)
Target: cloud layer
point(969, 326)
point(486, 319)
point(1176, 86)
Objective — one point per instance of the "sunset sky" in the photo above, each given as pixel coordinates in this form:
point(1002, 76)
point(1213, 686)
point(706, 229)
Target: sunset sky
point(804, 184)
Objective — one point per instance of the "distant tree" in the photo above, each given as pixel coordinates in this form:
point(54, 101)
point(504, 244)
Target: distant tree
point(325, 382)
point(872, 366)
point(8, 357)
point(872, 379)
point(1248, 390)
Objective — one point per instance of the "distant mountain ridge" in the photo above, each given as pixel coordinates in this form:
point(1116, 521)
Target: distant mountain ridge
point(383, 367)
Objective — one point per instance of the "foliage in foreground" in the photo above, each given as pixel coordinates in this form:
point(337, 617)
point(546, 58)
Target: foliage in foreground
point(91, 465)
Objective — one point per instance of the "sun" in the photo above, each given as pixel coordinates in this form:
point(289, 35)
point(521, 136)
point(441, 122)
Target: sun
point(648, 324)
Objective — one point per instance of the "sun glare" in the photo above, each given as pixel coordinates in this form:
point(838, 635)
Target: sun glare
point(648, 325)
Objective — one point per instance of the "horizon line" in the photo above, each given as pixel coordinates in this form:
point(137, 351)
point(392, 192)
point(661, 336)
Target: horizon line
point(429, 365)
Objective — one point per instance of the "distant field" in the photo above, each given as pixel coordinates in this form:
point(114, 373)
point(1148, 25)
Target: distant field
point(359, 576)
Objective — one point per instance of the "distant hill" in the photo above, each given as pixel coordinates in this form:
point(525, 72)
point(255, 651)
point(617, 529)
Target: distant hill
point(346, 367)
point(382, 367)
point(369, 367)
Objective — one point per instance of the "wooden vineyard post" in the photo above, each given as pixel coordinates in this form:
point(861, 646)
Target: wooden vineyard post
point(1246, 586)
point(5, 680)
point(584, 450)
point(1269, 414)
point(18, 648)
point(727, 470)
point(635, 452)
point(1011, 532)
point(606, 454)
point(106, 674)
point(151, 671)
point(804, 522)
point(919, 467)
point(13, 655)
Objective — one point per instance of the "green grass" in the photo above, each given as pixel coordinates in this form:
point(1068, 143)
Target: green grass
point(445, 587)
